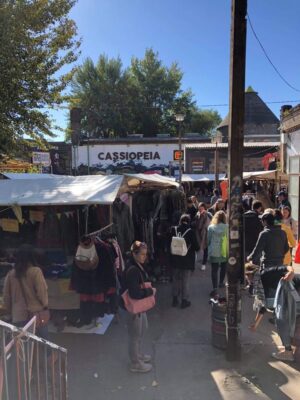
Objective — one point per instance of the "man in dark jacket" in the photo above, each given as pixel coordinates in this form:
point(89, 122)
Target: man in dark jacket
point(272, 244)
point(182, 265)
point(252, 226)
point(283, 200)
point(192, 208)
point(269, 252)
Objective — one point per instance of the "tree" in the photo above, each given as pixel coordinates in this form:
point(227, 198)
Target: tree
point(204, 121)
point(104, 93)
point(140, 99)
point(37, 40)
point(159, 94)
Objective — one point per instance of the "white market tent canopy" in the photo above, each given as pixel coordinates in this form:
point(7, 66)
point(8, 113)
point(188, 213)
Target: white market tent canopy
point(201, 177)
point(17, 175)
point(264, 175)
point(78, 190)
point(154, 179)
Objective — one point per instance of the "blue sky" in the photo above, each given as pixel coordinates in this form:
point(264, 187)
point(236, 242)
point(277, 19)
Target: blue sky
point(196, 34)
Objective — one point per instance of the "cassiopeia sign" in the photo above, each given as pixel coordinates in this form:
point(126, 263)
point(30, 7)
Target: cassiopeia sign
point(128, 155)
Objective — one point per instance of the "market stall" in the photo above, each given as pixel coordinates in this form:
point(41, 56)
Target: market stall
point(51, 215)
point(156, 204)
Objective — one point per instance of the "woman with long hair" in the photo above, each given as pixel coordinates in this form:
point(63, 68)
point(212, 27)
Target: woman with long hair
point(217, 248)
point(218, 206)
point(202, 222)
point(135, 277)
point(25, 290)
point(288, 220)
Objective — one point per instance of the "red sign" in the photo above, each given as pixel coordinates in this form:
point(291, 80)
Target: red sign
point(178, 155)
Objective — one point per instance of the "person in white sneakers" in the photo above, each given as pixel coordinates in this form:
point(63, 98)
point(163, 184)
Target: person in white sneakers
point(135, 277)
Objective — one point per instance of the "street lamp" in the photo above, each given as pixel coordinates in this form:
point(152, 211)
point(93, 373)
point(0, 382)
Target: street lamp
point(216, 139)
point(179, 119)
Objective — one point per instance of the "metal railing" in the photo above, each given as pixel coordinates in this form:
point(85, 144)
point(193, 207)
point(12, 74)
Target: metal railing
point(31, 368)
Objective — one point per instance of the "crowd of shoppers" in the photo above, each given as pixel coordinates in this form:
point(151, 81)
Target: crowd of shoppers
point(202, 233)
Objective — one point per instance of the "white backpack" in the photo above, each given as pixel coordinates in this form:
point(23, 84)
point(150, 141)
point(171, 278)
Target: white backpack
point(178, 244)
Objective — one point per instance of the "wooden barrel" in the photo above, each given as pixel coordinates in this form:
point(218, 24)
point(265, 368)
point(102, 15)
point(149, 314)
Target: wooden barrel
point(218, 326)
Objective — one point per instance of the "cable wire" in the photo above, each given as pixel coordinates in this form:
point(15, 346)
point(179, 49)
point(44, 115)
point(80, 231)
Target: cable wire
point(268, 58)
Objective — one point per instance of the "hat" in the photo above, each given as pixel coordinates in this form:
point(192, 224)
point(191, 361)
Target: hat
point(267, 216)
point(282, 193)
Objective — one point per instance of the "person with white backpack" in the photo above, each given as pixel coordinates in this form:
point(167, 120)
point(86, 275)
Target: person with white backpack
point(184, 245)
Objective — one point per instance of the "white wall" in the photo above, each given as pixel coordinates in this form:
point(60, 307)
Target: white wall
point(148, 154)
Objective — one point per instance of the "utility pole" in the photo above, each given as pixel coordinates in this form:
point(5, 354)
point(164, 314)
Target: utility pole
point(179, 119)
point(216, 167)
point(235, 157)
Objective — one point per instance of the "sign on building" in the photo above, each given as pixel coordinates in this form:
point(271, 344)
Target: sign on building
point(41, 158)
point(178, 155)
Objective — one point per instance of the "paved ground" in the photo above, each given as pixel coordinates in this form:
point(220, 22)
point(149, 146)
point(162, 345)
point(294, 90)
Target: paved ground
point(186, 366)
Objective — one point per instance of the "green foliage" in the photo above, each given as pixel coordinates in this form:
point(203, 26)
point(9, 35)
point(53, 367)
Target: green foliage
point(250, 89)
point(105, 93)
point(143, 98)
point(158, 94)
point(204, 121)
point(37, 40)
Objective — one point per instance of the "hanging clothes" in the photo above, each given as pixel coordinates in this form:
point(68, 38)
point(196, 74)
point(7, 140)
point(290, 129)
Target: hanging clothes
point(123, 225)
point(49, 231)
point(68, 226)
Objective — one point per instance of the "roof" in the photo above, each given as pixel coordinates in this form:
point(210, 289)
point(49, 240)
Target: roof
point(144, 140)
point(12, 175)
point(256, 112)
point(77, 190)
point(225, 145)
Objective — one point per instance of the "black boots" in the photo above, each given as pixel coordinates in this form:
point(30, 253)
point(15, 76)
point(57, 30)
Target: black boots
point(175, 301)
point(185, 303)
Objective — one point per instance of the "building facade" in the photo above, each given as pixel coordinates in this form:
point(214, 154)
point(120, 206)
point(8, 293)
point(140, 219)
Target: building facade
point(290, 142)
point(258, 156)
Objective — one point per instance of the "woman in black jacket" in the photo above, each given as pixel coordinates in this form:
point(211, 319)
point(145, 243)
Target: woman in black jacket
point(183, 265)
point(135, 276)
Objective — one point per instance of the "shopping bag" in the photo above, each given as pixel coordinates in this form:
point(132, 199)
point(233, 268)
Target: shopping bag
point(297, 254)
point(224, 246)
point(137, 306)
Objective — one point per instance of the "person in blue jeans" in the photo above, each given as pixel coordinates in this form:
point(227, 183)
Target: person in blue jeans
point(218, 256)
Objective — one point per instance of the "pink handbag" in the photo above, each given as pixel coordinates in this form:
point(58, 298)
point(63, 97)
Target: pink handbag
point(136, 306)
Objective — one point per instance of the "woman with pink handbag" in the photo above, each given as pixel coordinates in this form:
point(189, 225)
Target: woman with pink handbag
point(138, 298)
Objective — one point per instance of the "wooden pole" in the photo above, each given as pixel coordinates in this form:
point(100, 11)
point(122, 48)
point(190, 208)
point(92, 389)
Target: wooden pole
point(235, 157)
point(216, 166)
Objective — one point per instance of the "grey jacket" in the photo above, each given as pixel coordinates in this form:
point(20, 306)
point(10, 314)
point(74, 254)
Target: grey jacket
point(285, 304)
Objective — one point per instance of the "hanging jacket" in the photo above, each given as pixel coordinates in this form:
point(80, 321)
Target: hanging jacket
point(123, 225)
point(285, 305)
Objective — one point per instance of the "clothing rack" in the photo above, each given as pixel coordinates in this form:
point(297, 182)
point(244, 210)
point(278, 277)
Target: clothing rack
point(100, 230)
